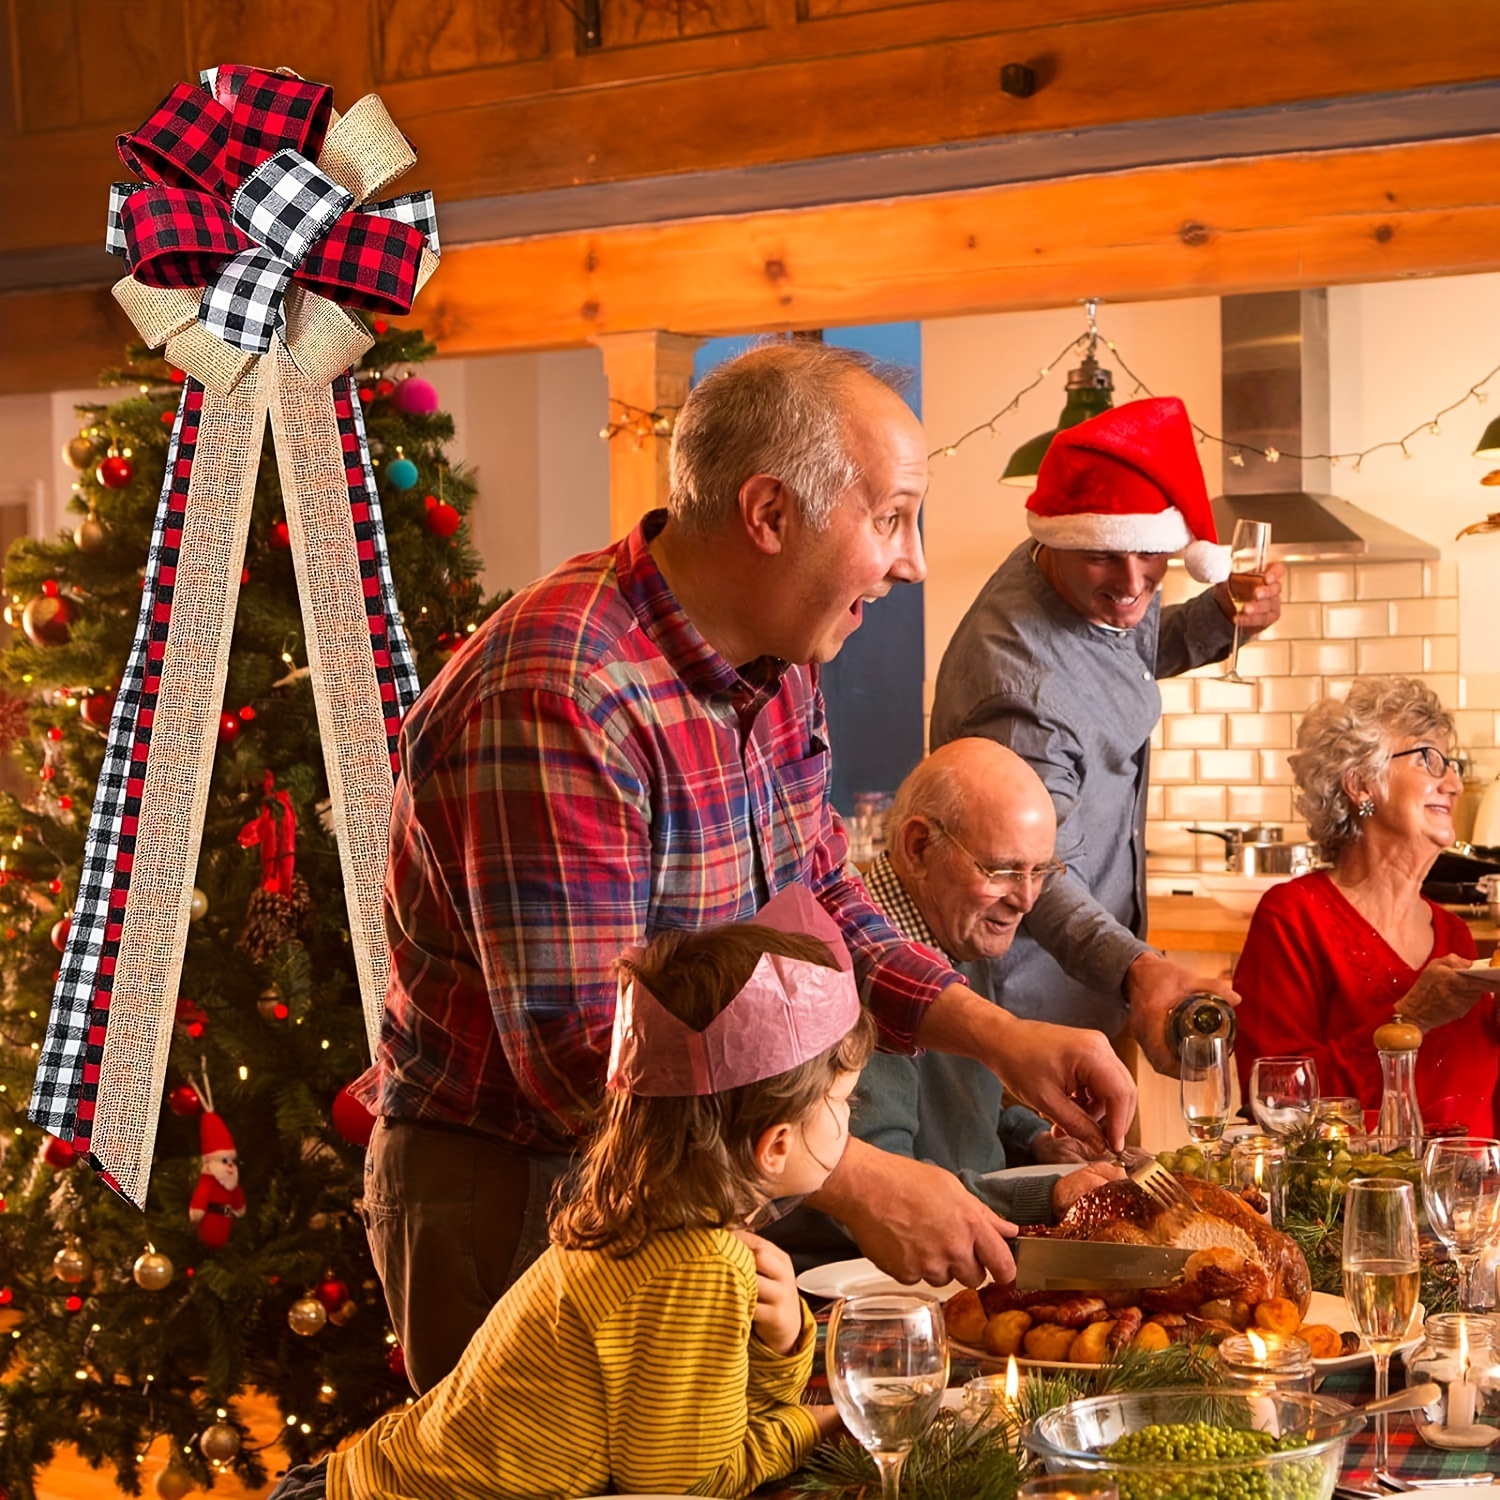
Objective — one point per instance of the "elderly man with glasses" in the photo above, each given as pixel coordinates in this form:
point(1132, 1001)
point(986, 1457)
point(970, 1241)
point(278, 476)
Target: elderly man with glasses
point(969, 848)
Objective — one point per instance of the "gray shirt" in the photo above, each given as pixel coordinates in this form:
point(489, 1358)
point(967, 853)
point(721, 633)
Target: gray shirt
point(1078, 702)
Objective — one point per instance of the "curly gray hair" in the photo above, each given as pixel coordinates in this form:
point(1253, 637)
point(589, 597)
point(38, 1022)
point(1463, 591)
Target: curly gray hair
point(776, 409)
point(1350, 738)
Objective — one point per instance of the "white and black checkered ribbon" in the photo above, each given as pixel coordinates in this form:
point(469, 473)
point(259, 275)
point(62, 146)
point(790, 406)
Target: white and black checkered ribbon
point(114, 228)
point(417, 209)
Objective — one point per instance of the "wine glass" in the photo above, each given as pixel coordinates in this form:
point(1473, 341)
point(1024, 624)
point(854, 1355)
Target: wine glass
point(1381, 1277)
point(1284, 1093)
point(1461, 1193)
point(1204, 1069)
point(887, 1362)
point(1247, 571)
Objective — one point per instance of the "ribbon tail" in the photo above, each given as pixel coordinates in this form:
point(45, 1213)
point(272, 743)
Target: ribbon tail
point(348, 621)
point(124, 955)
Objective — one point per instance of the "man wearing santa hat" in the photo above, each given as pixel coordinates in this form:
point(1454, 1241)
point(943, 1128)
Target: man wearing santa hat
point(1058, 659)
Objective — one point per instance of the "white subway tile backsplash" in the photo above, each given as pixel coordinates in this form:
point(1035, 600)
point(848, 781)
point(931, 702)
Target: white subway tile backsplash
point(1289, 694)
point(1297, 622)
point(1388, 580)
point(1176, 695)
point(1315, 658)
point(1346, 621)
point(1156, 735)
point(1440, 653)
point(1394, 654)
point(1228, 766)
point(1311, 584)
point(1172, 838)
point(1194, 731)
point(1337, 687)
point(1424, 617)
point(1173, 765)
point(1263, 658)
point(1274, 770)
point(1156, 803)
point(1440, 580)
point(1260, 729)
point(1261, 804)
point(1445, 685)
point(1195, 804)
point(1217, 696)
point(1473, 726)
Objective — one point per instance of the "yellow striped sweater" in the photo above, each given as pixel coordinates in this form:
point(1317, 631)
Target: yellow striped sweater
point(592, 1374)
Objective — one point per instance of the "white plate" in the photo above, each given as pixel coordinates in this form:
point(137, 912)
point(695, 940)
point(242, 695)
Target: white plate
point(1322, 1307)
point(857, 1278)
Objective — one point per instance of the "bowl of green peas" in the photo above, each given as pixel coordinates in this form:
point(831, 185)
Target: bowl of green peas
point(1194, 1444)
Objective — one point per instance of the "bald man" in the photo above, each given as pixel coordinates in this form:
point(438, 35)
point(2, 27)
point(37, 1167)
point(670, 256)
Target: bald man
point(969, 842)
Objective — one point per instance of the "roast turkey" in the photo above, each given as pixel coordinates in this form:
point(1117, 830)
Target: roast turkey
point(1240, 1258)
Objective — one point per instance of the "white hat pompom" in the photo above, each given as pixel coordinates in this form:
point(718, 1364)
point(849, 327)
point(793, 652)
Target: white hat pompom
point(1206, 561)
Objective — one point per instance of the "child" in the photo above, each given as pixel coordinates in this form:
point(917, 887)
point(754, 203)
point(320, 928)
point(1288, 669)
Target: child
point(658, 1345)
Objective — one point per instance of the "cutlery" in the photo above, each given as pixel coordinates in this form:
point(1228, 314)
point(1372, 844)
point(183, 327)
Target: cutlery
point(1160, 1186)
point(1087, 1265)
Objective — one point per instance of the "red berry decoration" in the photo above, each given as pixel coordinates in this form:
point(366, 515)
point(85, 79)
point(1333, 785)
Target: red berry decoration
point(281, 538)
point(60, 930)
point(229, 727)
point(57, 1153)
point(333, 1294)
point(74, 1303)
point(442, 519)
point(354, 1123)
point(114, 472)
point(247, 713)
point(55, 886)
point(191, 1017)
point(184, 1101)
point(395, 1362)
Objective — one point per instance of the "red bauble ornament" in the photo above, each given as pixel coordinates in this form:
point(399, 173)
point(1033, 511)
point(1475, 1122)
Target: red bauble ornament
point(96, 708)
point(60, 930)
point(54, 733)
point(354, 1123)
point(45, 621)
point(184, 1101)
point(333, 1294)
point(168, 417)
point(114, 472)
point(74, 1303)
point(441, 519)
point(191, 1017)
point(380, 325)
point(57, 1153)
point(6, 1296)
point(366, 395)
point(416, 397)
point(50, 588)
point(229, 727)
point(384, 387)
point(395, 1362)
point(175, 375)
point(281, 538)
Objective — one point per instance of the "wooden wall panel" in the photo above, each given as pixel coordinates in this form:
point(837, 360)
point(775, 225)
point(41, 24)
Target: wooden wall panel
point(325, 42)
point(630, 23)
point(418, 39)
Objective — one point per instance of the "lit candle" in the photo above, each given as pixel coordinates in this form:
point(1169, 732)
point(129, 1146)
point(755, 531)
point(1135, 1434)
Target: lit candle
point(1462, 1392)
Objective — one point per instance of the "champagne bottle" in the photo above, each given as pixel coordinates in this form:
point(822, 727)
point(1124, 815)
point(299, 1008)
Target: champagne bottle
point(1204, 1014)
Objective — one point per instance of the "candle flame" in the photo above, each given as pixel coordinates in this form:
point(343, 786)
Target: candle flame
point(1257, 1344)
point(1012, 1379)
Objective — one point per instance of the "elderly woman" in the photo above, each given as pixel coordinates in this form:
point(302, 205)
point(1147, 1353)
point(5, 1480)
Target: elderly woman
point(1331, 955)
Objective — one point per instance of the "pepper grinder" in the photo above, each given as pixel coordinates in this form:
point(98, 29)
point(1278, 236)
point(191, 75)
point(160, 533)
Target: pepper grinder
point(1400, 1115)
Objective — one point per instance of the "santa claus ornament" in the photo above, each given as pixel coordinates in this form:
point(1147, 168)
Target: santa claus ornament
point(218, 1198)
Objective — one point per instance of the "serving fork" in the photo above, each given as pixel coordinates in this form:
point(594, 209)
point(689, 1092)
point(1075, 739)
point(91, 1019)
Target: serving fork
point(1159, 1185)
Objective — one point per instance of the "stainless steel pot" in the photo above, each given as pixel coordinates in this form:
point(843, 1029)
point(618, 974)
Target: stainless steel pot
point(1267, 854)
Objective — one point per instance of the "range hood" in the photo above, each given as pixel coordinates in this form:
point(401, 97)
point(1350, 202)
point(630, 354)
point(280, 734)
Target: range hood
point(1275, 387)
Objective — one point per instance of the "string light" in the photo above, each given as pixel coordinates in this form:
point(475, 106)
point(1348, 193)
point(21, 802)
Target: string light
point(1432, 425)
point(639, 422)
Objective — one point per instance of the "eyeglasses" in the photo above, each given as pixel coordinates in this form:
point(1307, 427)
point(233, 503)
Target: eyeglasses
point(1008, 882)
point(1436, 763)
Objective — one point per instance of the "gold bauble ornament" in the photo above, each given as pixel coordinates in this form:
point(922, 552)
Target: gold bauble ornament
point(78, 452)
point(152, 1270)
point(173, 1483)
point(197, 905)
point(91, 533)
point(45, 621)
point(11, 1317)
point(71, 1264)
point(219, 1443)
point(306, 1316)
point(341, 1316)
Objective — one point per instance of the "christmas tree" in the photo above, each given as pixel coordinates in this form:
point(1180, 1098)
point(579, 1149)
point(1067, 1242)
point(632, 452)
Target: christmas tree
point(119, 1327)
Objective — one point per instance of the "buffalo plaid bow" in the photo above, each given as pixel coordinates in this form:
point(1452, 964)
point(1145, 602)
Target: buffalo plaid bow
point(234, 202)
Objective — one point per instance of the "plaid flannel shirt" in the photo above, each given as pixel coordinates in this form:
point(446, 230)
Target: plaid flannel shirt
point(585, 774)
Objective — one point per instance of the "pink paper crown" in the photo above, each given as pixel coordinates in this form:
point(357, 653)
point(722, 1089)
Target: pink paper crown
point(789, 1010)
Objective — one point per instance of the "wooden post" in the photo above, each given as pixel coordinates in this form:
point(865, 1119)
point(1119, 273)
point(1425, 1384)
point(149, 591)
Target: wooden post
point(647, 372)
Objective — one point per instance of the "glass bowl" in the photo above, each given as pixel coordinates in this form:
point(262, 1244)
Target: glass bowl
point(1072, 1439)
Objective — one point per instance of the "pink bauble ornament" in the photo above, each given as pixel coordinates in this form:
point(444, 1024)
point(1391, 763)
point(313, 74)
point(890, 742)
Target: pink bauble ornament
point(416, 397)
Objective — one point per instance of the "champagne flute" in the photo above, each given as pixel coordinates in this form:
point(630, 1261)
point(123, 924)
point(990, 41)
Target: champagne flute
point(1381, 1278)
point(1283, 1093)
point(1247, 571)
point(1204, 1069)
point(1461, 1193)
point(887, 1363)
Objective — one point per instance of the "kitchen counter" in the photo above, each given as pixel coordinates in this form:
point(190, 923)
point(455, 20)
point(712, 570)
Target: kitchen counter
point(1197, 924)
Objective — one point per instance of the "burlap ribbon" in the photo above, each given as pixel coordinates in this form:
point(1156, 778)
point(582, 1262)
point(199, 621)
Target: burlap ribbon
point(104, 1059)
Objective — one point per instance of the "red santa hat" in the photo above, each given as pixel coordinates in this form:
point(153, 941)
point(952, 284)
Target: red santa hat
point(213, 1135)
point(1129, 480)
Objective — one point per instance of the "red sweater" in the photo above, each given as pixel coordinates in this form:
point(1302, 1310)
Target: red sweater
point(1316, 978)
